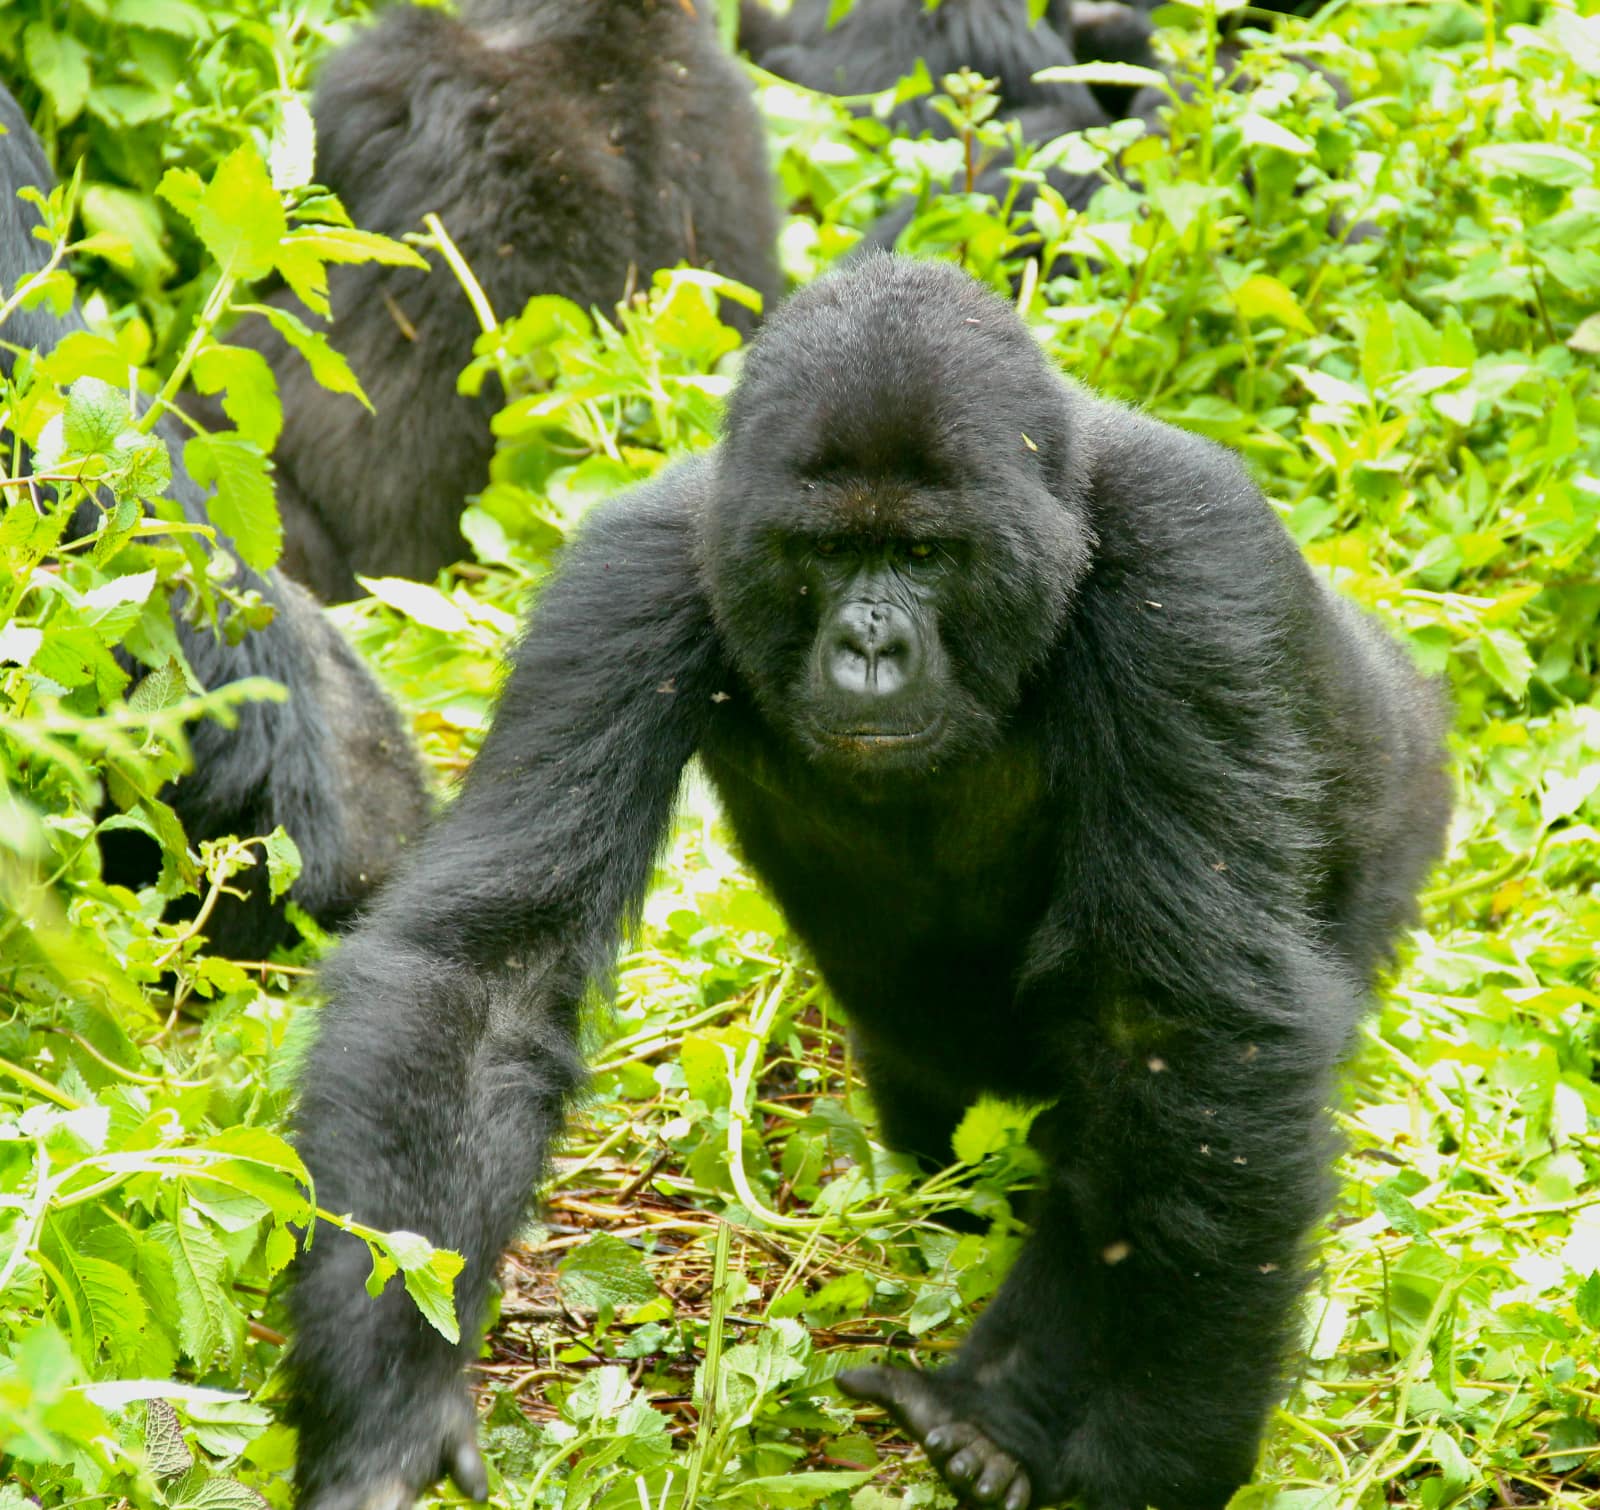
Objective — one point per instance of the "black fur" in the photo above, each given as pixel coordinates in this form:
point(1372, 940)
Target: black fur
point(333, 764)
point(1079, 786)
point(880, 41)
point(569, 148)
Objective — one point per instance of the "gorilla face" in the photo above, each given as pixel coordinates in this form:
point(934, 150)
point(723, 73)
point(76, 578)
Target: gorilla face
point(891, 547)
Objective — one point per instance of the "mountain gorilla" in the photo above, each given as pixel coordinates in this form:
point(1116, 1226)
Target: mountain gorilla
point(1029, 713)
point(569, 149)
point(332, 764)
point(877, 42)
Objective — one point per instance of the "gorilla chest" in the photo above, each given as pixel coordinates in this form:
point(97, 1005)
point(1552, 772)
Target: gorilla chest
point(913, 907)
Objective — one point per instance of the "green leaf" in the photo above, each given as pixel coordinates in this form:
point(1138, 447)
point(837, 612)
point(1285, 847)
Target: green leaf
point(327, 366)
point(283, 862)
point(1539, 162)
point(1506, 659)
point(604, 1272)
point(207, 1316)
point(164, 1448)
point(429, 1275)
point(793, 1491)
point(243, 506)
point(238, 215)
point(419, 602)
point(1259, 131)
point(96, 415)
point(59, 64)
point(1260, 297)
point(1586, 1301)
point(251, 392)
point(1393, 1202)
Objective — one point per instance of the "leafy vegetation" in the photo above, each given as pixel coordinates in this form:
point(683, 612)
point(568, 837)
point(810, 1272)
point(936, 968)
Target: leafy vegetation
point(722, 1233)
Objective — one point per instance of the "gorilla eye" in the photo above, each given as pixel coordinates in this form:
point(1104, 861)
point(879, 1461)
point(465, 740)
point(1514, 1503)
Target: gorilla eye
point(920, 550)
point(829, 547)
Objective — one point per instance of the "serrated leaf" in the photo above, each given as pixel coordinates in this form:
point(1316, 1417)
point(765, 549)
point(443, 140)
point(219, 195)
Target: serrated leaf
point(1393, 1202)
point(332, 243)
point(283, 862)
point(1586, 1301)
point(250, 392)
point(604, 1271)
point(204, 1306)
point(238, 216)
point(95, 417)
point(164, 1448)
point(220, 1494)
point(98, 1300)
point(1506, 659)
point(243, 506)
point(328, 367)
point(429, 1274)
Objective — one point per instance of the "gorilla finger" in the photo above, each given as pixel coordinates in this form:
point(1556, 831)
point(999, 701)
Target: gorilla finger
point(948, 1438)
point(908, 1396)
point(1001, 1470)
point(1021, 1493)
point(965, 1466)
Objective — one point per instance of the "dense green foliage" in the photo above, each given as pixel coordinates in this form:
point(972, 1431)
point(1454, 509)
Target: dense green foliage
point(1422, 404)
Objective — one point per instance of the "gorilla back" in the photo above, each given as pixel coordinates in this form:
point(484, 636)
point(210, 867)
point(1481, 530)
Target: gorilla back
point(569, 147)
point(1078, 784)
point(332, 764)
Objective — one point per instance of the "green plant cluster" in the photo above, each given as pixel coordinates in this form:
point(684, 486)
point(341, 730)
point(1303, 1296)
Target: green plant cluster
point(1385, 294)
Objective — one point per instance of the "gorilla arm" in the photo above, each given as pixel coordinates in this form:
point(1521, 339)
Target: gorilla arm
point(448, 1048)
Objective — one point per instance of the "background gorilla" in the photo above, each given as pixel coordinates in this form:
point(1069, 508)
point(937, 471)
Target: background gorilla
point(569, 149)
point(879, 41)
point(332, 764)
point(1025, 706)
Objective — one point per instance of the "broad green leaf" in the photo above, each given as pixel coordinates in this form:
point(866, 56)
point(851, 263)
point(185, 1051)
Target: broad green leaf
point(238, 215)
point(283, 862)
point(207, 1315)
point(429, 1274)
point(250, 392)
point(59, 64)
point(417, 601)
point(1261, 297)
point(242, 506)
point(1539, 162)
point(604, 1271)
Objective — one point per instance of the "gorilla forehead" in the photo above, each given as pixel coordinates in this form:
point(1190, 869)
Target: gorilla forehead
point(895, 369)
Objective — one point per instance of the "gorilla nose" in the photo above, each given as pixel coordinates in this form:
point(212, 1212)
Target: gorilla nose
point(873, 653)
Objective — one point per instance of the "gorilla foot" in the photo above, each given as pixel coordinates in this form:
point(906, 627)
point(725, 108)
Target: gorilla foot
point(974, 1465)
point(392, 1475)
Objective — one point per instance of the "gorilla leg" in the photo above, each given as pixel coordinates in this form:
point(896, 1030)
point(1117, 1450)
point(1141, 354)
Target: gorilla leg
point(1163, 1270)
point(914, 1113)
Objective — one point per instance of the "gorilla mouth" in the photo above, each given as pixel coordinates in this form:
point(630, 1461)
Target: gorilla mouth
point(873, 738)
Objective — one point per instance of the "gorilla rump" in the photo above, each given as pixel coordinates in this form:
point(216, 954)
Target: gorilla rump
point(1024, 705)
point(332, 764)
point(569, 149)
